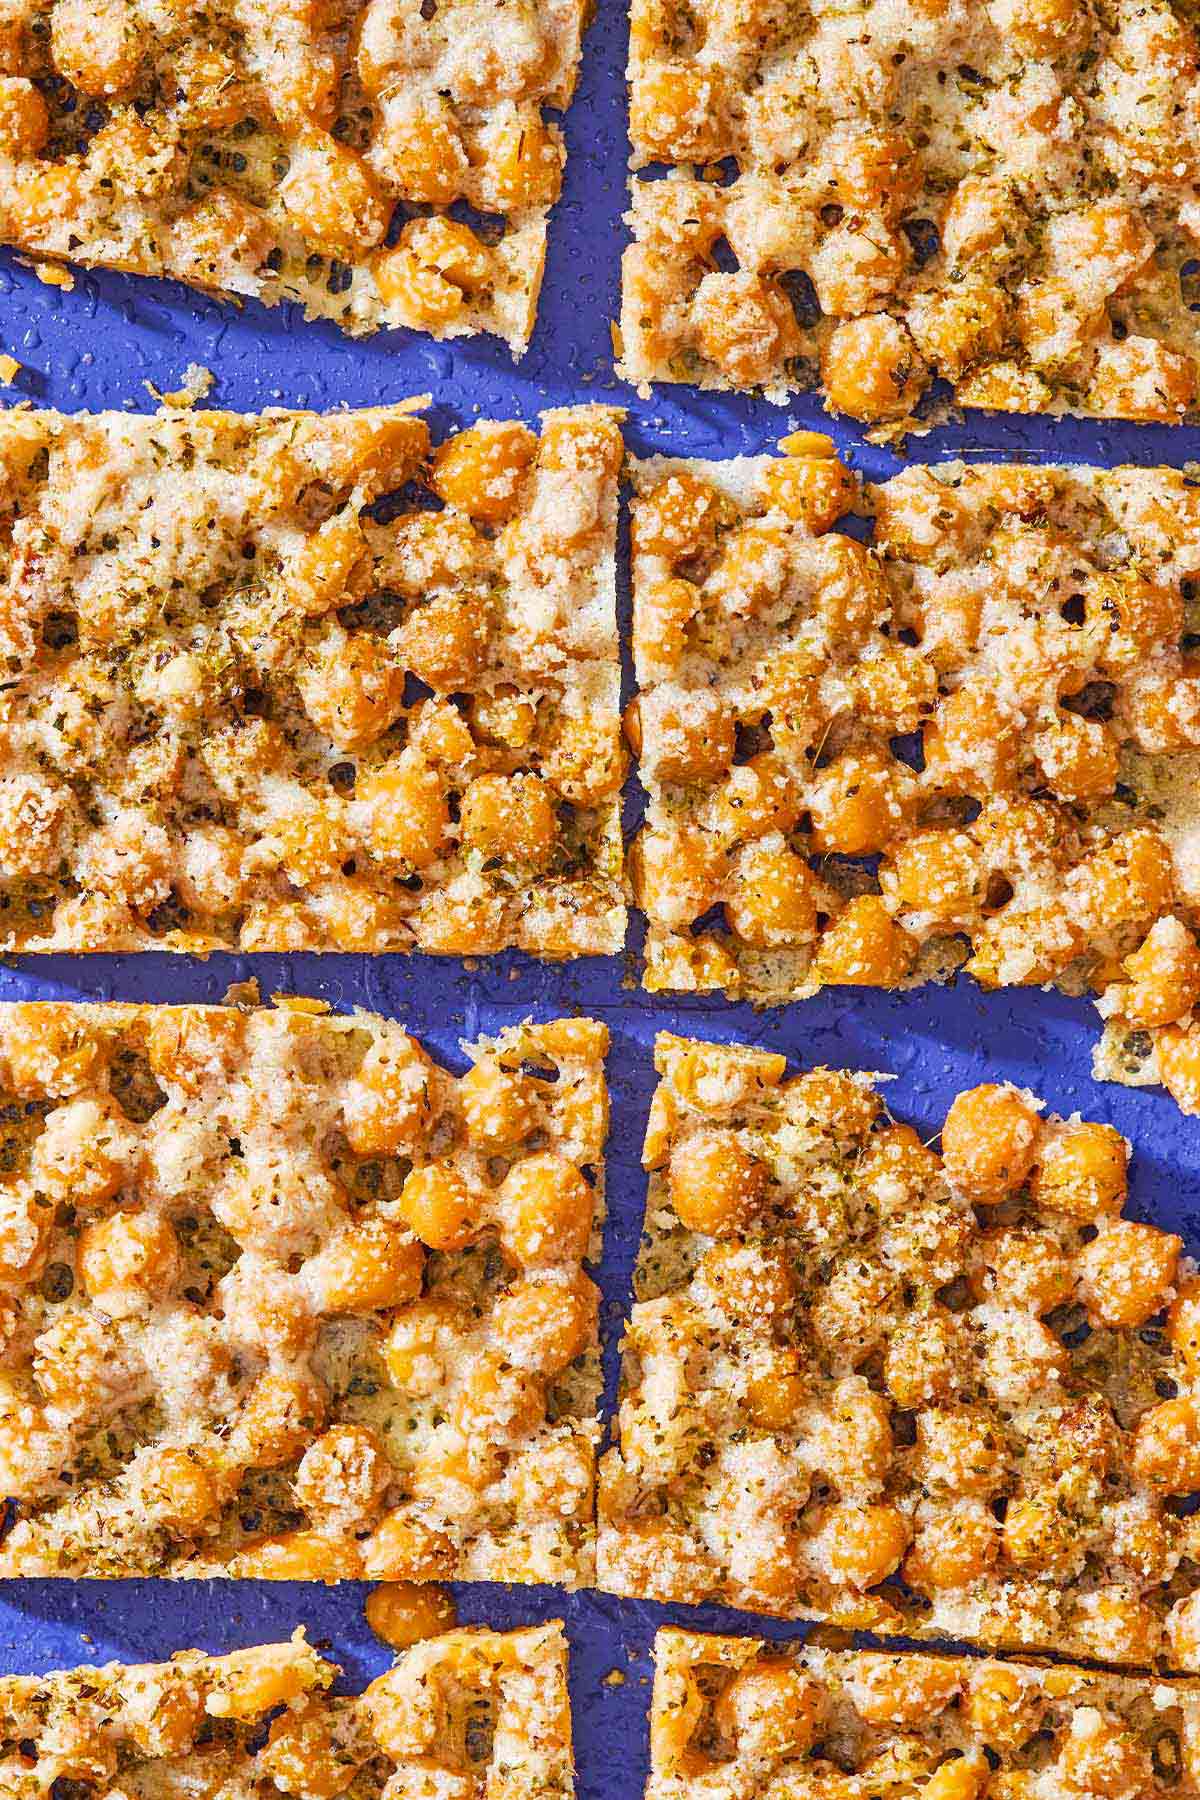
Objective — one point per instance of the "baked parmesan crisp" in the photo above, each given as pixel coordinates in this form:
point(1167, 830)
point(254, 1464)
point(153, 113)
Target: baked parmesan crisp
point(925, 1393)
point(379, 162)
point(469, 1714)
point(736, 1716)
point(973, 742)
point(305, 682)
point(283, 1298)
point(1002, 196)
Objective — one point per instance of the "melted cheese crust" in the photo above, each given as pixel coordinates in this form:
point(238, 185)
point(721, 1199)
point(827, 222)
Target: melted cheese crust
point(281, 1297)
point(470, 1713)
point(288, 682)
point(973, 740)
point(319, 153)
point(924, 1398)
point(999, 194)
point(740, 1717)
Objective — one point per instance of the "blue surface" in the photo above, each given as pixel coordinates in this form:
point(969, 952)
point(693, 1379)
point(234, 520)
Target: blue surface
point(97, 347)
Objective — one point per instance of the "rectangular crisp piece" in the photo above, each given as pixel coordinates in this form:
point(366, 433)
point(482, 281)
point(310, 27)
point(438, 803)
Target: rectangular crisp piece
point(1000, 196)
point(380, 163)
point(294, 681)
point(917, 1392)
point(974, 740)
point(739, 1717)
point(283, 1298)
point(468, 1713)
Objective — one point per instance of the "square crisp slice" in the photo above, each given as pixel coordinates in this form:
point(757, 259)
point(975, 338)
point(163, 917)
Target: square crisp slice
point(973, 740)
point(1001, 196)
point(901, 1390)
point(339, 157)
point(739, 1717)
point(284, 1298)
point(303, 682)
point(468, 1712)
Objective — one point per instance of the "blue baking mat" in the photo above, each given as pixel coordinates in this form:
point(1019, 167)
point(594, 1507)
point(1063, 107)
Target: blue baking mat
point(98, 347)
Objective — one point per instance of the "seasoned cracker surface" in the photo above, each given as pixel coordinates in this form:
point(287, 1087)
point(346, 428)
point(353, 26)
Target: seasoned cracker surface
point(937, 1394)
point(739, 1717)
point(296, 681)
point(463, 1715)
point(283, 1298)
point(973, 740)
point(336, 154)
point(998, 194)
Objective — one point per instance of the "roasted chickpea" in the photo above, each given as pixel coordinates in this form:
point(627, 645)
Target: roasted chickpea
point(511, 818)
point(1081, 1171)
point(128, 1261)
point(864, 1544)
point(481, 470)
point(872, 369)
point(716, 1183)
point(403, 1613)
point(545, 1209)
point(1127, 1272)
point(439, 1207)
point(989, 1142)
point(544, 1324)
point(408, 809)
point(864, 947)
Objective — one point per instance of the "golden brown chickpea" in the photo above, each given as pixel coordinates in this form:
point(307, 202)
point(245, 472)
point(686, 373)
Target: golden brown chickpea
point(422, 147)
point(677, 114)
point(403, 1613)
point(777, 1389)
point(332, 200)
point(405, 1546)
point(1126, 1272)
point(128, 1262)
point(811, 490)
point(1005, 1710)
point(1081, 1171)
point(938, 872)
point(545, 1207)
point(745, 326)
point(49, 1050)
point(1183, 1322)
point(444, 643)
point(1164, 975)
point(409, 811)
point(42, 196)
point(752, 569)
point(1177, 1058)
point(343, 1474)
point(871, 368)
point(1166, 1446)
point(695, 736)
point(24, 121)
point(772, 1709)
point(971, 744)
point(544, 1324)
point(774, 896)
point(97, 46)
point(989, 1142)
point(953, 1550)
point(864, 947)
point(499, 1105)
point(716, 1183)
point(481, 470)
point(1129, 882)
point(1098, 1756)
point(301, 1757)
point(524, 161)
point(176, 1489)
point(864, 1544)
point(370, 1265)
point(859, 804)
point(281, 1416)
point(681, 517)
point(388, 1108)
point(438, 1206)
point(351, 688)
point(510, 818)
point(757, 797)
